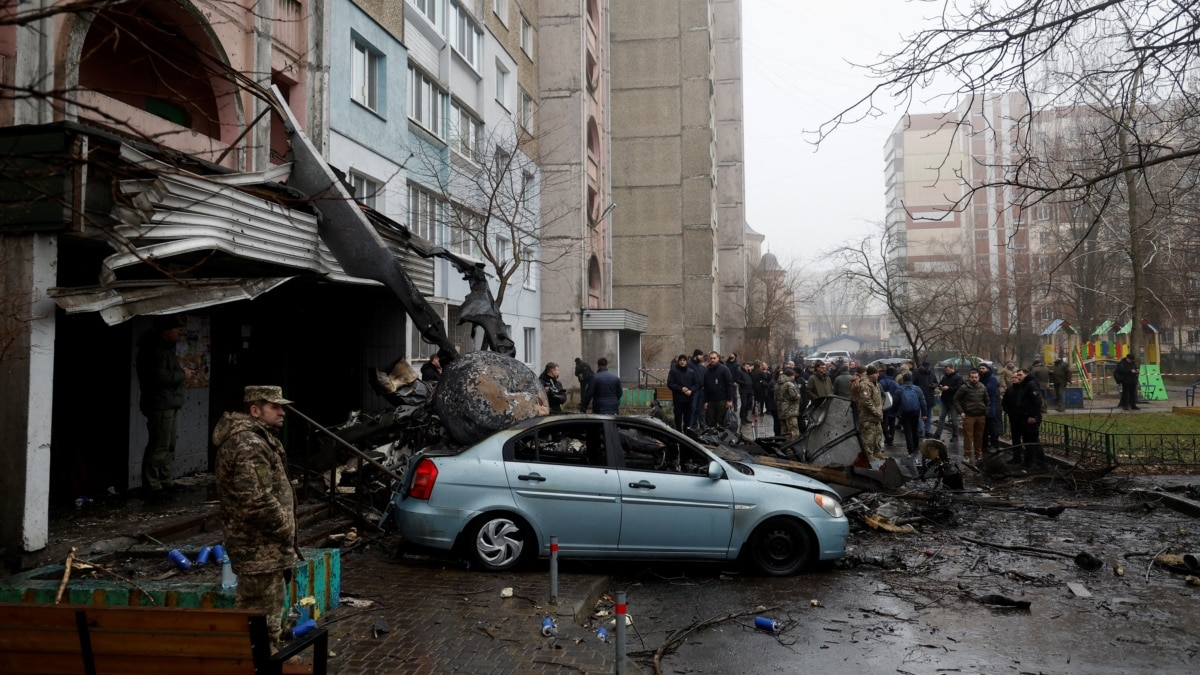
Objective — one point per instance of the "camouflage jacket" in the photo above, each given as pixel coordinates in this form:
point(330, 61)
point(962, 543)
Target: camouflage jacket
point(869, 400)
point(787, 397)
point(258, 504)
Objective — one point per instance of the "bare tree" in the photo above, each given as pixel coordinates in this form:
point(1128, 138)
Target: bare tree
point(1126, 65)
point(491, 191)
point(771, 308)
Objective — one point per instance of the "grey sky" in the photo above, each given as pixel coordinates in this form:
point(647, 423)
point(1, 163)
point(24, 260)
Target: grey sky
point(796, 77)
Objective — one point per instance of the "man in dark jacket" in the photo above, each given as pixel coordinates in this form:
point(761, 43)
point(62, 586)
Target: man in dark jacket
point(718, 391)
point(603, 391)
point(1126, 375)
point(949, 385)
point(1060, 377)
point(161, 380)
point(991, 428)
point(889, 386)
point(972, 401)
point(926, 381)
point(583, 373)
point(432, 369)
point(745, 390)
point(682, 383)
point(556, 394)
point(1023, 403)
point(699, 358)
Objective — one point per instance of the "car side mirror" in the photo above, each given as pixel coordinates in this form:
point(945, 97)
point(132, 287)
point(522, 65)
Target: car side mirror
point(715, 472)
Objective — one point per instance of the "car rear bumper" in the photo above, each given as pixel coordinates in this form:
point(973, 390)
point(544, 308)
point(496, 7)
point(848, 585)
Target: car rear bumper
point(432, 526)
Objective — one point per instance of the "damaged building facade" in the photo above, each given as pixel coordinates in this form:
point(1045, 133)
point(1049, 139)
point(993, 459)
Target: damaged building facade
point(147, 169)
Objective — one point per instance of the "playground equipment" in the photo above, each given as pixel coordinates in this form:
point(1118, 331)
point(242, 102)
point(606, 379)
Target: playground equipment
point(1106, 347)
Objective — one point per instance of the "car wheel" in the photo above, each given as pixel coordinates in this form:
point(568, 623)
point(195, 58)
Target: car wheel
point(500, 542)
point(781, 547)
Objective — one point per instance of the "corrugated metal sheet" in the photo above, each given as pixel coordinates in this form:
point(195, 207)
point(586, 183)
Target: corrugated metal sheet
point(614, 319)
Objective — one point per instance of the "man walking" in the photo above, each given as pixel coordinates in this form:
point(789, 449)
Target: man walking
point(161, 380)
point(972, 400)
point(257, 502)
point(1126, 375)
point(912, 413)
point(603, 391)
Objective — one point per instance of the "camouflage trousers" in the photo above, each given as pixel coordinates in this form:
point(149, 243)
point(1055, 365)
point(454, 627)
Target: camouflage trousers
point(264, 593)
point(789, 426)
point(160, 449)
point(871, 433)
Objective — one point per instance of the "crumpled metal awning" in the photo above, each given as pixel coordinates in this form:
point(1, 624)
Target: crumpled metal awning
point(121, 303)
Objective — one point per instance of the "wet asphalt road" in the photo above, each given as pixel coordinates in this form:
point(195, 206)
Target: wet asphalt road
point(875, 621)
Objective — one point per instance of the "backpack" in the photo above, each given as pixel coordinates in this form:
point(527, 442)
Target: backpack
point(910, 399)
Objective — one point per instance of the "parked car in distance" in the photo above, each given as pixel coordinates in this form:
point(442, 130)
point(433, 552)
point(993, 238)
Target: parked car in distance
point(615, 487)
point(828, 357)
point(961, 363)
point(894, 362)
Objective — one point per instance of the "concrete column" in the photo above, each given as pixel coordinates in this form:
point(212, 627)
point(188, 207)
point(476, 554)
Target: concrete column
point(28, 264)
point(35, 69)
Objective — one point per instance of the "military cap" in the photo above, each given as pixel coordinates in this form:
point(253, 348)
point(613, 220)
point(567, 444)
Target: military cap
point(270, 394)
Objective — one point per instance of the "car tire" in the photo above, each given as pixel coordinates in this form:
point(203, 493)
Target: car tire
point(498, 542)
point(781, 547)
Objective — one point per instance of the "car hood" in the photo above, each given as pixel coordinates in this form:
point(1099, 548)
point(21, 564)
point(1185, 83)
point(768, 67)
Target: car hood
point(767, 474)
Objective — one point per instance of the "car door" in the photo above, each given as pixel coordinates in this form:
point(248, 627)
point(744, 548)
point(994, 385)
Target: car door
point(668, 503)
point(559, 475)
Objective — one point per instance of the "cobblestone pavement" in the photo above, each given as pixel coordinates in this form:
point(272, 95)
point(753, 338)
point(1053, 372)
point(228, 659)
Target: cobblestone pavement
point(443, 618)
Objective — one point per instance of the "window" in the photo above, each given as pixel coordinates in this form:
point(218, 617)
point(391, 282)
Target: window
point(502, 248)
point(466, 131)
point(578, 443)
point(428, 8)
point(1042, 212)
point(364, 76)
point(425, 101)
point(529, 269)
point(365, 189)
point(500, 7)
point(812, 326)
point(525, 112)
point(1168, 337)
point(468, 38)
point(526, 37)
point(1193, 336)
point(981, 234)
point(530, 346)
point(981, 210)
point(465, 223)
point(423, 212)
point(1044, 237)
point(503, 160)
point(501, 84)
point(650, 450)
point(526, 189)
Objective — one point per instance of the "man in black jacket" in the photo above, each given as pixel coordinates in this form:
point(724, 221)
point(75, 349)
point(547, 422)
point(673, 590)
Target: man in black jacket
point(949, 385)
point(603, 391)
point(682, 383)
point(745, 389)
point(718, 391)
point(1126, 375)
point(556, 394)
point(926, 381)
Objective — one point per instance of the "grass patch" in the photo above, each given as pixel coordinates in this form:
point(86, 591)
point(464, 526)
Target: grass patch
point(1125, 423)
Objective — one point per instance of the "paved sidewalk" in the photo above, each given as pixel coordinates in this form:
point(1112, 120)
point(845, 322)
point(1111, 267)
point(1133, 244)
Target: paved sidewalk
point(444, 618)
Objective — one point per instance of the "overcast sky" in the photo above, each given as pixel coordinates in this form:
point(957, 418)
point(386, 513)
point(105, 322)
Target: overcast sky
point(796, 76)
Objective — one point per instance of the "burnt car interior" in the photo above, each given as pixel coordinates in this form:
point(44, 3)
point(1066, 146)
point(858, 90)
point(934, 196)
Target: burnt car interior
point(646, 450)
point(576, 444)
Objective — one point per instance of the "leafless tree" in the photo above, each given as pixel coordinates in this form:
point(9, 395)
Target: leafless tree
point(491, 191)
point(1125, 65)
point(771, 308)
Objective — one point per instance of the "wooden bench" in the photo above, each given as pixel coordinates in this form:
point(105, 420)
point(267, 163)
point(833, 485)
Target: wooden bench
point(664, 396)
point(95, 640)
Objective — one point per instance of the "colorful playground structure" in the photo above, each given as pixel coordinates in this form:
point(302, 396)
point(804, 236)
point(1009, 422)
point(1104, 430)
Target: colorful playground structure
point(1092, 361)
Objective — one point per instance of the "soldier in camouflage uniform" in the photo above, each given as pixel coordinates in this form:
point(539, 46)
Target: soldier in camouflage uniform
point(869, 401)
point(257, 502)
point(787, 403)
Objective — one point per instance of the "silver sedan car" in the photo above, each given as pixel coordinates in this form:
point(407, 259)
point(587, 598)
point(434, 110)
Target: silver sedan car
point(615, 487)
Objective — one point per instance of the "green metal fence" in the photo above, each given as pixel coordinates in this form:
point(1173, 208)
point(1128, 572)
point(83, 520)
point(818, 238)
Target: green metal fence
point(1090, 446)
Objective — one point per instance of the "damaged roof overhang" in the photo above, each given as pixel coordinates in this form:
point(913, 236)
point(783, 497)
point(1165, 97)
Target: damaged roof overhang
point(171, 224)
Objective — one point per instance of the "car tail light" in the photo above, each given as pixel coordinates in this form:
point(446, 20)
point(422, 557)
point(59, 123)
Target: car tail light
point(424, 476)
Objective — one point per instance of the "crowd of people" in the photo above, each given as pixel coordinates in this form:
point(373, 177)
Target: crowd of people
point(982, 406)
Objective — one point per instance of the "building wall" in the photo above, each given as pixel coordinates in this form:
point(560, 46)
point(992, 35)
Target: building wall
point(571, 37)
point(664, 168)
point(735, 260)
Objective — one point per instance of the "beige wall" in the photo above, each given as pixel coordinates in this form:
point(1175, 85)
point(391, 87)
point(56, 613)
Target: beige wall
point(664, 169)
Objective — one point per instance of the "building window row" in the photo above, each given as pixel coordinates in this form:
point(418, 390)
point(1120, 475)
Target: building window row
point(468, 37)
point(424, 209)
point(466, 131)
point(365, 189)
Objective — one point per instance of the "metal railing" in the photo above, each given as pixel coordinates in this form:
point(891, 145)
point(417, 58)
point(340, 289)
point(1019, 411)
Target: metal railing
point(1091, 446)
